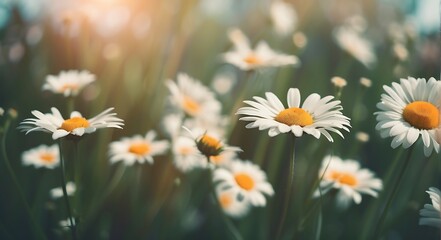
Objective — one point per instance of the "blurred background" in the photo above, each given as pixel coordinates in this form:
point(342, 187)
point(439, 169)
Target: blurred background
point(133, 46)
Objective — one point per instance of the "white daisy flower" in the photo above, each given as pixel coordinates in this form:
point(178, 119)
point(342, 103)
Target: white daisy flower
point(246, 180)
point(283, 16)
point(69, 83)
point(431, 214)
point(263, 56)
point(58, 192)
point(411, 109)
point(230, 204)
point(349, 179)
point(193, 98)
point(210, 144)
point(186, 155)
point(359, 47)
point(316, 116)
point(42, 156)
point(137, 149)
point(74, 126)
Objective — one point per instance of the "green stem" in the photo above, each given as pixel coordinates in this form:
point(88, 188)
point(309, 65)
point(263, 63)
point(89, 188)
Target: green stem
point(233, 230)
point(287, 191)
point(65, 196)
point(392, 195)
point(35, 227)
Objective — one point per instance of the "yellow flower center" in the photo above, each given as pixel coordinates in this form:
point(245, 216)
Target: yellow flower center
point(73, 123)
point(244, 181)
point(343, 178)
point(185, 150)
point(209, 146)
point(139, 148)
point(69, 86)
point(252, 59)
point(190, 106)
point(422, 115)
point(47, 157)
point(294, 116)
point(225, 200)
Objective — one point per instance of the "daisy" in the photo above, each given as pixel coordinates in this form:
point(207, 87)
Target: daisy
point(193, 98)
point(430, 214)
point(69, 83)
point(359, 47)
point(410, 109)
point(74, 126)
point(316, 116)
point(246, 180)
point(348, 179)
point(186, 155)
point(42, 156)
point(263, 56)
point(283, 16)
point(137, 149)
point(58, 192)
point(231, 205)
point(210, 144)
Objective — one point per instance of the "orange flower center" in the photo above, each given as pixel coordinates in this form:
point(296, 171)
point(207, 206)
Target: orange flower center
point(139, 148)
point(294, 116)
point(69, 86)
point(216, 159)
point(209, 146)
point(185, 150)
point(73, 123)
point(190, 106)
point(344, 178)
point(252, 59)
point(422, 115)
point(244, 181)
point(225, 200)
point(47, 157)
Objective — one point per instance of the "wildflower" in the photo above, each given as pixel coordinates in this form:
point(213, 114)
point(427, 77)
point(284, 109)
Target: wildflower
point(193, 98)
point(317, 115)
point(42, 156)
point(246, 180)
point(263, 56)
point(365, 82)
point(339, 82)
point(349, 179)
point(69, 83)
point(186, 155)
point(362, 137)
point(410, 109)
point(299, 39)
point(231, 205)
point(359, 47)
point(283, 16)
point(430, 214)
point(210, 144)
point(74, 126)
point(137, 149)
point(58, 192)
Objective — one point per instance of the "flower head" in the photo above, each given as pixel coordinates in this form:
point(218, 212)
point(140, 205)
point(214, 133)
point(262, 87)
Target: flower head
point(359, 47)
point(348, 179)
point(210, 144)
point(137, 149)
point(74, 126)
point(411, 109)
point(58, 192)
point(230, 204)
point(186, 155)
point(263, 56)
point(68, 83)
point(246, 180)
point(192, 98)
point(42, 156)
point(316, 116)
point(283, 16)
point(431, 214)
